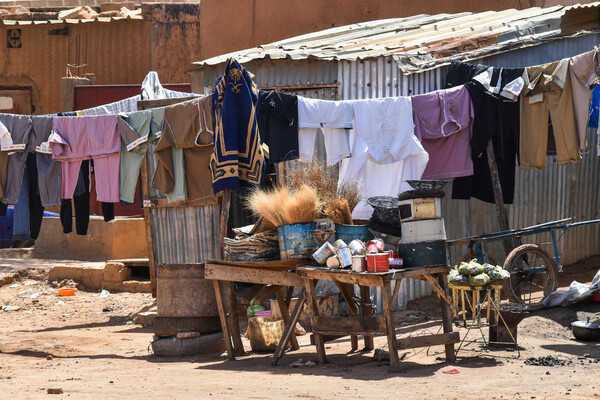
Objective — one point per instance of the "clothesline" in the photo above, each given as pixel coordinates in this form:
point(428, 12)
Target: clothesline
point(381, 142)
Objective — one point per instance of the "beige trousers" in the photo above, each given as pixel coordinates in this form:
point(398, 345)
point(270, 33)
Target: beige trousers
point(547, 90)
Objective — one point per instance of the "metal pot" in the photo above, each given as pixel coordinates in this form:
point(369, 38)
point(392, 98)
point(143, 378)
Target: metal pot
point(589, 331)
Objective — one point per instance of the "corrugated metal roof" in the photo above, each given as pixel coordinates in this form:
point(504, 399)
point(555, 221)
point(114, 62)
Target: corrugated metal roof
point(421, 42)
point(12, 22)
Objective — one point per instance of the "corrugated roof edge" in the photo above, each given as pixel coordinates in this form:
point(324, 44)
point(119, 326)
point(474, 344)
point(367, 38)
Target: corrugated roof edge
point(445, 37)
point(68, 21)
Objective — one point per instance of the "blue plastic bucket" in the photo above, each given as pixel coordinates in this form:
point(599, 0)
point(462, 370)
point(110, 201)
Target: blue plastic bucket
point(350, 232)
point(296, 241)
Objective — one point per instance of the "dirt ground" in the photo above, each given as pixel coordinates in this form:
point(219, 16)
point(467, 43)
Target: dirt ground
point(88, 346)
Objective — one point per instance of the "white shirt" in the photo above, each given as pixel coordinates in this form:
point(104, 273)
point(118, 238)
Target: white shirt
point(385, 151)
point(334, 118)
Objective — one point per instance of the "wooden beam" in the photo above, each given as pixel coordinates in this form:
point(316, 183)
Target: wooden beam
point(225, 206)
point(365, 299)
point(309, 285)
point(267, 292)
point(148, 225)
point(347, 291)
point(349, 325)
point(223, 318)
point(355, 279)
point(234, 321)
point(446, 317)
point(427, 341)
point(498, 197)
point(395, 295)
point(290, 327)
point(285, 316)
point(437, 289)
point(252, 275)
point(386, 293)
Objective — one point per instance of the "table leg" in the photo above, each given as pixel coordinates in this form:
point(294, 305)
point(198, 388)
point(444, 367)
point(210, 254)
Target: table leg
point(290, 327)
point(446, 318)
point(347, 291)
point(365, 298)
point(283, 308)
point(388, 309)
point(223, 318)
point(310, 284)
point(234, 326)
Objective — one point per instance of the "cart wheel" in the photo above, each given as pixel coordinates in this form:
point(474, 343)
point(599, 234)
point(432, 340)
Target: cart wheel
point(532, 274)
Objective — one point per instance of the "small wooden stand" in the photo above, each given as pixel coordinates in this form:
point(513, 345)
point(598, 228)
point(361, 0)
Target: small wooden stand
point(367, 325)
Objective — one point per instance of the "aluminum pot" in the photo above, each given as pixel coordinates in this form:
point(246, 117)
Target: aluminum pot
point(588, 331)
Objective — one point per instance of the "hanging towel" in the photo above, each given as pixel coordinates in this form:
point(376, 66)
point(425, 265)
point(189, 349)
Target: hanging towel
point(444, 124)
point(334, 118)
point(385, 152)
point(237, 160)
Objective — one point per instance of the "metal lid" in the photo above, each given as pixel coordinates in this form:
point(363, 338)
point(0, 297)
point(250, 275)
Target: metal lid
point(584, 324)
point(433, 184)
point(383, 202)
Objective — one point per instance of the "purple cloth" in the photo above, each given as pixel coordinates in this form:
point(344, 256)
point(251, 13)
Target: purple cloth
point(444, 123)
point(75, 139)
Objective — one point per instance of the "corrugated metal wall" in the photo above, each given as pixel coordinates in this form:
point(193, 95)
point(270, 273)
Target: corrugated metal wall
point(540, 196)
point(182, 234)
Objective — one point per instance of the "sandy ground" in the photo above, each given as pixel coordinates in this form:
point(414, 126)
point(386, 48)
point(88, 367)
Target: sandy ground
point(87, 346)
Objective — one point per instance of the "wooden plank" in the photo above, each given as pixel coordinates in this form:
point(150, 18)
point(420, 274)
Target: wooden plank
point(290, 327)
point(498, 197)
point(427, 341)
point(252, 275)
point(386, 292)
point(223, 318)
point(347, 291)
point(367, 310)
point(197, 274)
point(132, 262)
point(283, 308)
point(309, 285)
point(225, 206)
point(204, 201)
point(446, 318)
point(148, 225)
point(234, 322)
point(252, 293)
point(349, 325)
point(355, 279)
point(267, 292)
point(276, 265)
point(147, 104)
point(373, 279)
point(395, 295)
point(437, 289)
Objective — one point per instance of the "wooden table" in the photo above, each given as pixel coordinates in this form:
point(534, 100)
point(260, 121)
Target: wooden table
point(273, 277)
point(367, 325)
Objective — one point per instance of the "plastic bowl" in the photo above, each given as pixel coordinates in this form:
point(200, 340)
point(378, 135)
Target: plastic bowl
point(66, 291)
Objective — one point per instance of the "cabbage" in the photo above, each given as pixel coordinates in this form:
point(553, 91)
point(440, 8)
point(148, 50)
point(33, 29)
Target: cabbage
point(470, 268)
point(479, 280)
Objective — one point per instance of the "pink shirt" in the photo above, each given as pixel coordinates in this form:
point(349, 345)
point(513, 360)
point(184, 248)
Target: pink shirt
point(444, 123)
point(75, 139)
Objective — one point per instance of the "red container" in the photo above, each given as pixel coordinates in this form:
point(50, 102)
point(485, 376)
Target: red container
point(378, 262)
point(393, 254)
point(378, 243)
point(596, 297)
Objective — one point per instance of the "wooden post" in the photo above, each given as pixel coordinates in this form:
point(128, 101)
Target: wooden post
point(446, 316)
point(388, 311)
point(225, 206)
point(309, 285)
point(498, 197)
point(367, 311)
point(223, 318)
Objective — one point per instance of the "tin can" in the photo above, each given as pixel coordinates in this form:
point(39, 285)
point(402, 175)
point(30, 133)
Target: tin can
point(393, 254)
point(378, 243)
point(339, 244)
point(359, 263)
point(323, 253)
point(357, 247)
point(378, 262)
point(396, 263)
point(345, 256)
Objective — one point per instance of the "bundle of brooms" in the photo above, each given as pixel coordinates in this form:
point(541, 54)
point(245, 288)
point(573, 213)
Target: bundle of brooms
point(282, 206)
point(338, 200)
